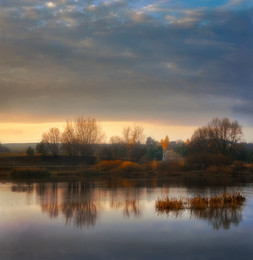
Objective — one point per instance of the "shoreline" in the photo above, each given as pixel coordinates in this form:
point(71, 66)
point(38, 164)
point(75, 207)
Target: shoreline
point(85, 171)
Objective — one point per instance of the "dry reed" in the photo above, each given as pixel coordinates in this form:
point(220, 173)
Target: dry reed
point(225, 200)
point(169, 204)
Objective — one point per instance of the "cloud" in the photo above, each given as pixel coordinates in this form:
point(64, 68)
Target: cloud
point(50, 5)
point(123, 61)
point(231, 3)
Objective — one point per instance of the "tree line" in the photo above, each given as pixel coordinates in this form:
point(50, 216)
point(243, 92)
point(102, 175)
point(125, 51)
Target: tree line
point(85, 137)
point(81, 137)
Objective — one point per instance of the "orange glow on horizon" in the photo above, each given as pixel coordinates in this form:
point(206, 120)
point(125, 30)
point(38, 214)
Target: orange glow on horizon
point(32, 132)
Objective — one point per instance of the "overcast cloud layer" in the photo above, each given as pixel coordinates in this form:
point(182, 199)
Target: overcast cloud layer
point(170, 61)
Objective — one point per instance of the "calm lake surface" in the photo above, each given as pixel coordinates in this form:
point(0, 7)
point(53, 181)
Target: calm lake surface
point(117, 219)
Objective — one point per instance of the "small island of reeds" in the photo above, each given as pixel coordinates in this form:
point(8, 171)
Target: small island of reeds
point(226, 200)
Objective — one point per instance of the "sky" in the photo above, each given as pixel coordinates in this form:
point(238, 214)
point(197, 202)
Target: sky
point(171, 66)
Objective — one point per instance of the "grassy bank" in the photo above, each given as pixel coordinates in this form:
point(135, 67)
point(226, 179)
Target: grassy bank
point(118, 168)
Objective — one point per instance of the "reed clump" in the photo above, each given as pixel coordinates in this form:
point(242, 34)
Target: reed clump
point(226, 200)
point(168, 204)
point(198, 202)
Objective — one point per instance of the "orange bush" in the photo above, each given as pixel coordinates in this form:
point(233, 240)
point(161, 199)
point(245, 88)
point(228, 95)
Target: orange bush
point(118, 165)
point(129, 166)
point(109, 165)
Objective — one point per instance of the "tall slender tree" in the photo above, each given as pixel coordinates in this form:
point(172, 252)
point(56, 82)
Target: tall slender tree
point(52, 139)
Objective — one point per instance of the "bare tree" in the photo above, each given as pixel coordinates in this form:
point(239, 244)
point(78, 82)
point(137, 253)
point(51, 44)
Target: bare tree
point(80, 136)
point(126, 132)
point(52, 139)
point(200, 140)
point(133, 137)
point(89, 132)
point(225, 134)
point(219, 136)
point(69, 140)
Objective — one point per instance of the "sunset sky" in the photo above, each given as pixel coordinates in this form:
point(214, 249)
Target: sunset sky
point(169, 65)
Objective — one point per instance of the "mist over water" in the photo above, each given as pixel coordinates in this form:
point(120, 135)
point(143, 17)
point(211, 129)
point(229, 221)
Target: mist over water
point(117, 219)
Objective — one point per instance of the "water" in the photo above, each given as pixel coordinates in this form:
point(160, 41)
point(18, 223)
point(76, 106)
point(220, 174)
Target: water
point(117, 219)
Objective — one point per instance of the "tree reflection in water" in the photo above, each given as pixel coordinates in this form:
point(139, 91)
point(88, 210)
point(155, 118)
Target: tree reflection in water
point(81, 203)
point(217, 217)
point(74, 202)
point(129, 207)
point(22, 188)
point(220, 217)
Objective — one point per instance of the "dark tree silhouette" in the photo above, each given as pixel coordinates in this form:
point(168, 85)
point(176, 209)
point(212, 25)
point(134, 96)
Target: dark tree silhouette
point(219, 136)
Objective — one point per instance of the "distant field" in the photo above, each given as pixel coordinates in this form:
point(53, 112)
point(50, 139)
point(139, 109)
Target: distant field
point(19, 147)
